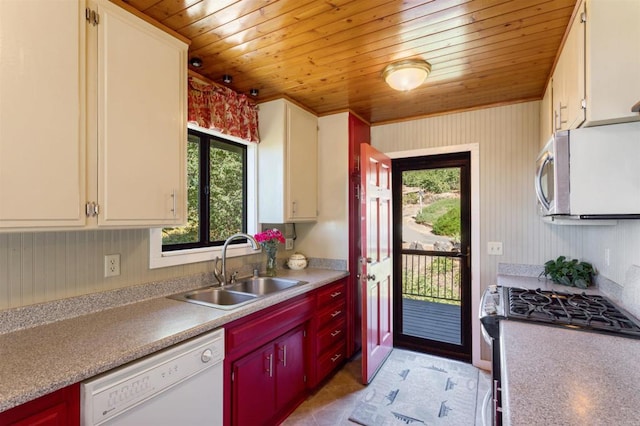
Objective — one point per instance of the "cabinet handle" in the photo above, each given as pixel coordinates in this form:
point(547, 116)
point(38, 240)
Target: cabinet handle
point(336, 294)
point(173, 208)
point(335, 333)
point(284, 355)
point(335, 314)
point(270, 369)
point(335, 357)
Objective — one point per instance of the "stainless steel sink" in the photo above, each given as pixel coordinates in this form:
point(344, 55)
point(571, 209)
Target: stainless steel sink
point(216, 297)
point(263, 285)
point(235, 295)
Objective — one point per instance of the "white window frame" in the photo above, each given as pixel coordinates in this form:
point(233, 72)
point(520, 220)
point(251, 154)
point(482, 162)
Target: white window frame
point(160, 259)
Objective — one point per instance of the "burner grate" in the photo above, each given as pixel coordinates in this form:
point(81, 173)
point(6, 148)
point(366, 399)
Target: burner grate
point(580, 310)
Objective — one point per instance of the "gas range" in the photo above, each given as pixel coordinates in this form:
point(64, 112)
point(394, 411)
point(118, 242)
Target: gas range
point(579, 311)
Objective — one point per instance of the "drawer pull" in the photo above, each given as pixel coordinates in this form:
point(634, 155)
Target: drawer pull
point(335, 357)
point(336, 294)
point(335, 314)
point(335, 333)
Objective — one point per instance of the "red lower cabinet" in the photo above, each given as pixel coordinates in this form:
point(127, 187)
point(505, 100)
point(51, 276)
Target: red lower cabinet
point(269, 381)
point(59, 408)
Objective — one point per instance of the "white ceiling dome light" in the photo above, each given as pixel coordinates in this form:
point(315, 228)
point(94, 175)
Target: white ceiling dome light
point(406, 75)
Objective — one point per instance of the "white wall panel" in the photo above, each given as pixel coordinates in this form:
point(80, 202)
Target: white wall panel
point(508, 139)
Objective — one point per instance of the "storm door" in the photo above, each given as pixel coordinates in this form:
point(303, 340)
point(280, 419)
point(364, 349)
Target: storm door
point(432, 262)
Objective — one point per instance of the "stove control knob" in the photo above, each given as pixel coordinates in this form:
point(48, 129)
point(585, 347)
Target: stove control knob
point(491, 309)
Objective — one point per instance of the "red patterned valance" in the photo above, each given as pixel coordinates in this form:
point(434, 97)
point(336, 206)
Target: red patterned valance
point(222, 109)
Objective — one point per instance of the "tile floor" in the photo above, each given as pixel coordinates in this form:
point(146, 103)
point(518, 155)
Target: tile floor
point(333, 403)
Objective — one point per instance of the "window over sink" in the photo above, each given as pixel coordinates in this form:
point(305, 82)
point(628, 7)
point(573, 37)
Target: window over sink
point(221, 176)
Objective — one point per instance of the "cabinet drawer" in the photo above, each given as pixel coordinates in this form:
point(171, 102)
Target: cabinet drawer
point(259, 328)
point(331, 360)
point(332, 334)
point(332, 292)
point(331, 313)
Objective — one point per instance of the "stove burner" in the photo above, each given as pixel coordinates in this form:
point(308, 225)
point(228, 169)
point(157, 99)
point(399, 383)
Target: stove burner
point(590, 312)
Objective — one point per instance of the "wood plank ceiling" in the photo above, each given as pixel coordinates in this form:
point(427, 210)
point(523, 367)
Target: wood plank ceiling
point(329, 54)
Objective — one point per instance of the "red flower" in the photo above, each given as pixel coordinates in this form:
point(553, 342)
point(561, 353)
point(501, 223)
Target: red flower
point(270, 235)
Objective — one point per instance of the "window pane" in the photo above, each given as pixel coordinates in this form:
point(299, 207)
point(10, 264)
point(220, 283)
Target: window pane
point(226, 190)
point(191, 232)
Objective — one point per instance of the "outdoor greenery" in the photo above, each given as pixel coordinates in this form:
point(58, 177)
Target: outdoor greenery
point(225, 188)
point(438, 282)
point(431, 213)
point(435, 181)
point(449, 223)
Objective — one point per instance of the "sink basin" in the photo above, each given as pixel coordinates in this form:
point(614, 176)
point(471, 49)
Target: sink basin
point(263, 285)
point(216, 297)
point(238, 294)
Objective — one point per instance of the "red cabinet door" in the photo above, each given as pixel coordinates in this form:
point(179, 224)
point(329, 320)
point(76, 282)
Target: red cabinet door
point(290, 371)
point(254, 387)
point(61, 407)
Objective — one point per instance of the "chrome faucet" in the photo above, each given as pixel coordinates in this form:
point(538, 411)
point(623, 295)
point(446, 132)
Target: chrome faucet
point(222, 277)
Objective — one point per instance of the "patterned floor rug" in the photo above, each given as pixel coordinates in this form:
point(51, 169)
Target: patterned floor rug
point(414, 388)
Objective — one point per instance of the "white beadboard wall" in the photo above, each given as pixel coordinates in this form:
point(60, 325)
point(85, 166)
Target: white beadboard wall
point(45, 266)
point(508, 137)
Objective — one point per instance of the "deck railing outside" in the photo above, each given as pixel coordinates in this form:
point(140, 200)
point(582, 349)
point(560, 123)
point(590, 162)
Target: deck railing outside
point(431, 276)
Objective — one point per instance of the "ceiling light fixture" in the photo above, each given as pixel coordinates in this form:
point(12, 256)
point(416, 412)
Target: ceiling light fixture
point(195, 62)
point(253, 92)
point(406, 75)
point(227, 79)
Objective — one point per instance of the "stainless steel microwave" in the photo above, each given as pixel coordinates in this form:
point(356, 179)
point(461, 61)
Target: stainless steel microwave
point(591, 173)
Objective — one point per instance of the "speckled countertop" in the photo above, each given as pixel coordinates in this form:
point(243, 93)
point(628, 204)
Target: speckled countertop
point(42, 359)
point(557, 376)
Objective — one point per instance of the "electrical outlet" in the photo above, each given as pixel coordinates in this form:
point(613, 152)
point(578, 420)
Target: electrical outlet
point(494, 248)
point(288, 244)
point(111, 265)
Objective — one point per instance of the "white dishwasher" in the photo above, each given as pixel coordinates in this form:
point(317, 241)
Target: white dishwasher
point(181, 385)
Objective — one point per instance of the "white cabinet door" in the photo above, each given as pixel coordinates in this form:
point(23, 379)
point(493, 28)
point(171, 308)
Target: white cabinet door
point(569, 78)
point(613, 60)
point(287, 163)
point(42, 121)
point(141, 122)
point(302, 167)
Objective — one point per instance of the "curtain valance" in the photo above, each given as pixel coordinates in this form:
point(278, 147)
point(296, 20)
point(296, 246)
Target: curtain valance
point(222, 109)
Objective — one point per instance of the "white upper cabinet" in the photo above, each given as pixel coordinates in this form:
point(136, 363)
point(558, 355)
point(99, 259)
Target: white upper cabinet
point(42, 114)
point(287, 163)
point(92, 113)
point(596, 78)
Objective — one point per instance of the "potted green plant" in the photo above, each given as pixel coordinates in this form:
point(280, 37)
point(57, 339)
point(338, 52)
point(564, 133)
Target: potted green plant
point(572, 273)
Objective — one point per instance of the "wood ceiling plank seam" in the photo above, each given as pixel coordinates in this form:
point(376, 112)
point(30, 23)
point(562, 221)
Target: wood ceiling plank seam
point(198, 22)
point(164, 9)
point(254, 30)
point(447, 24)
point(550, 36)
point(347, 34)
point(474, 74)
point(143, 5)
point(265, 77)
point(561, 22)
point(282, 37)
